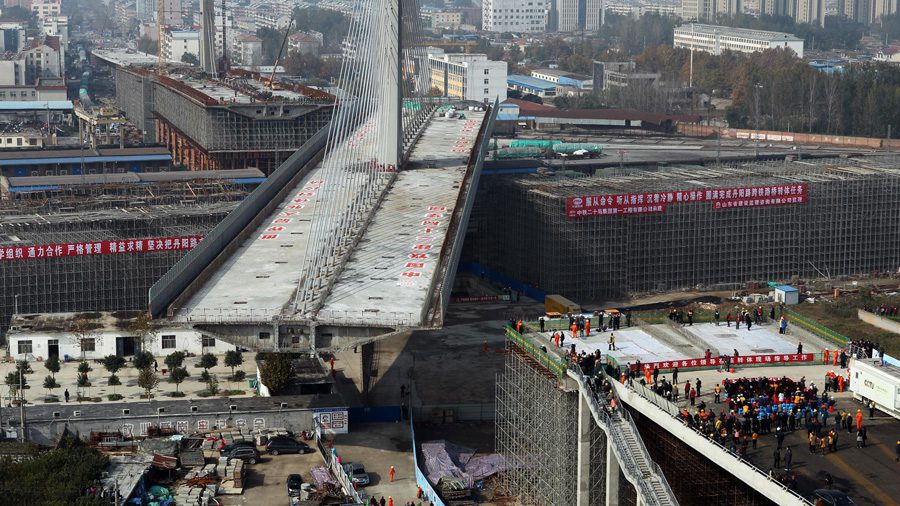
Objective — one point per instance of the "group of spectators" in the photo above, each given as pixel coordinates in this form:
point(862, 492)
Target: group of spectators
point(882, 310)
point(863, 348)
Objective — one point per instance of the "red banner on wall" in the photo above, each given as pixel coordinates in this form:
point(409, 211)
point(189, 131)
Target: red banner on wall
point(717, 361)
point(148, 245)
point(656, 202)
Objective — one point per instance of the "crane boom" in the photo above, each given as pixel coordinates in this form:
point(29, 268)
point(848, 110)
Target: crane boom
point(280, 52)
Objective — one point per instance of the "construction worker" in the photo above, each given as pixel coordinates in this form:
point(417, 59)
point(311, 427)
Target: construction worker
point(825, 356)
point(859, 417)
point(834, 357)
point(574, 328)
point(612, 341)
point(392, 471)
point(519, 326)
point(587, 327)
point(840, 381)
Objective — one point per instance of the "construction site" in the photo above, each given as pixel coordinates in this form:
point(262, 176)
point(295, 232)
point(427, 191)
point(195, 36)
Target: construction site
point(237, 122)
point(636, 230)
point(98, 242)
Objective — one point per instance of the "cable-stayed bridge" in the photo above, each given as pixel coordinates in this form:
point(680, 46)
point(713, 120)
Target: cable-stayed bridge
point(358, 234)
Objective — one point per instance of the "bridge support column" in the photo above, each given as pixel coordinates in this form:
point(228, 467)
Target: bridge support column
point(585, 420)
point(612, 476)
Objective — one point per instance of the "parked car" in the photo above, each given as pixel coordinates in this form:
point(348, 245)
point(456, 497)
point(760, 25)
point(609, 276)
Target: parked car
point(235, 444)
point(294, 482)
point(833, 497)
point(286, 445)
point(357, 473)
point(248, 454)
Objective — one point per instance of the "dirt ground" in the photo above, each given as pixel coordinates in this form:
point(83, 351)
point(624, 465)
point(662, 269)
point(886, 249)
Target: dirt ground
point(839, 315)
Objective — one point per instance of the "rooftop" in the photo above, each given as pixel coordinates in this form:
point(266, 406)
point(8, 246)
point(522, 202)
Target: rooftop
point(125, 57)
point(763, 35)
point(37, 105)
point(530, 82)
point(561, 73)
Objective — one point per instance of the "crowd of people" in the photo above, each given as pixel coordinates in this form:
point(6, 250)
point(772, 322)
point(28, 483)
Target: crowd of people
point(863, 348)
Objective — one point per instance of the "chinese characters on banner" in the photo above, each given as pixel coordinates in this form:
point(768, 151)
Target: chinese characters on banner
point(149, 245)
point(656, 202)
point(717, 361)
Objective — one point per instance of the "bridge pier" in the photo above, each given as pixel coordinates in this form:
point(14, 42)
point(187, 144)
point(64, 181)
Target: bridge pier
point(585, 421)
point(612, 477)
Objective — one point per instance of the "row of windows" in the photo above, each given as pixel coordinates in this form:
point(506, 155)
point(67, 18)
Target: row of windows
point(168, 342)
point(9, 141)
point(90, 344)
point(12, 94)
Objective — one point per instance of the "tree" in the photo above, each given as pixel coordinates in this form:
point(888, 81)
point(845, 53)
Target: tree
point(148, 380)
point(233, 358)
point(142, 360)
point(113, 363)
point(435, 92)
point(208, 361)
point(83, 331)
point(144, 329)
point(52, 365)
point(55, 477)
point(276, 372)
point(190, 58)
point(16, 383)
point(50, 383)
point(174, 360)
point(177, 376)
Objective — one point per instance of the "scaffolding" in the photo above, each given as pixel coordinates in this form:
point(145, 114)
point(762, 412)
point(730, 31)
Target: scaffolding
point(537, 433)
point(105, 282)
point(520, 228)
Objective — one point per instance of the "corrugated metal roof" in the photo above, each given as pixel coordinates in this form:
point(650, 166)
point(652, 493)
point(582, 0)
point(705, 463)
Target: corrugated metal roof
point(201, 174)
point(35, 183)
point(18, 182)
point(530, 82)
point(36, 105)
point(87, 159)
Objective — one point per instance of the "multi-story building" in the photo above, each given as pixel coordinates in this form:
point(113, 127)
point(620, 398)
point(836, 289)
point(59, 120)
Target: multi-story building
point(145, 10)
point(729, 7)
point(246, 49)
point(859, 11)
point(778, 7)
point(12, 36)
point(12, 72)
point(46, 90)
point(468, 76)
point(45, 8)
point(514, 15)
point(881, 8)
point(699, 10)
point(43, 58)
point(172, 10)
point(813, 11)
point(715, 39)
point(636, 11)
point(446, 19)
point(176, 43)
point(620, 75)
point(305, 43)
point(57, 26)
point(569, 16)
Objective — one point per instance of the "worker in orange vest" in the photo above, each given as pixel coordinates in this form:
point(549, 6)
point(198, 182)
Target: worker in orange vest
point(519, 327)
point(574, 331)
point(647, 373)
point(834, 357)
point(840, 380)
point(587, 327)
point(556, 339)
point(858, 419)
point(825, 356)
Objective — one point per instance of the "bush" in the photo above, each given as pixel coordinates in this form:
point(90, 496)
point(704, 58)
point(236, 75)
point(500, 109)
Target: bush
point(84, 367)
point(115, 397)
point(113, 381)
point(83, 381)
point(113, 363)
point(204, 376)
point(52, 365)
point(51, 398)
point(174, 360)
point(212, 386)
point(177, 394)
point(239, 376)
point(208, 361)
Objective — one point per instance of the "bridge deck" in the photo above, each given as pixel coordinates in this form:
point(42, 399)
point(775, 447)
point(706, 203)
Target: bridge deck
point(394, 265)
point(388, 278)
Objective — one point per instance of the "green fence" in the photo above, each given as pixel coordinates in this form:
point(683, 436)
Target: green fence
point(555, 365)
point(816, 328)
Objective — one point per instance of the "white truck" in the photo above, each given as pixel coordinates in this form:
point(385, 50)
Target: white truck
point(871, 381)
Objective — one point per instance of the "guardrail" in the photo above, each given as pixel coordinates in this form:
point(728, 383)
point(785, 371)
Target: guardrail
point(668, 408)
point(555, 365)
point(816, 328)
point(661, 493)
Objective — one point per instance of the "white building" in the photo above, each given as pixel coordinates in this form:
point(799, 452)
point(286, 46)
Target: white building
point(715, 39)
point(12, 37)
point(305, 43)
point(57, 26)
point(34, 337)
point(812, 12)
point(246, 49)
point(698, 10)
point(468, 76)
point(12, 72)
point(45, 8)
point(579, 82)
point(43, 58)
point(514, 15)
point(578, 15)
point(178, 42)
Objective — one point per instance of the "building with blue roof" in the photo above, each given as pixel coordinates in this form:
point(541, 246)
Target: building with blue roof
point(787, 295)
point(533, 85)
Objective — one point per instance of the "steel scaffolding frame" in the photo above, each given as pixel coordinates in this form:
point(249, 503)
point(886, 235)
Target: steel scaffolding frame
point(537, 433)
point(846, 227)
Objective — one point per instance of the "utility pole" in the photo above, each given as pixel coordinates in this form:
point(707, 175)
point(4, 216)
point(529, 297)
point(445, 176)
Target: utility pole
point(21, 406)
point(757, 87)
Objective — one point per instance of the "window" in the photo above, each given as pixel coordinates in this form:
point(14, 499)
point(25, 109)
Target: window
point(207, 341)
point(168, 342)
point(487, 72)
point(264, 335)
point(89, 344)
point(487, 81)
point(486, 91)
point(24, 347)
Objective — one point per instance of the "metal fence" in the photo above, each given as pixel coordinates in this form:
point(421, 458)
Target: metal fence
point(816, 328)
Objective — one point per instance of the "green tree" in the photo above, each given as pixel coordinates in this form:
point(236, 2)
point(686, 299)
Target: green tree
point(143, 327)
point(50, 383)
point(208, 361)
point(52, 365)
point(177, 376)
point(15, 381)
point(148, 380)
point(190, 59)
point(54, 478)
point(276, 372)
point(142, 360)
point(174, 360)
point(233, 358)
point(113, 363)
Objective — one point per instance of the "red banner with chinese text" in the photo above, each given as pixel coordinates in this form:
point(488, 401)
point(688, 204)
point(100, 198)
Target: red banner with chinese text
point(656, 202)
point(717, 361)
point(146, 245)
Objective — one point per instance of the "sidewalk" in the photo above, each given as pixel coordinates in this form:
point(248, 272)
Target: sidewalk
point(67, 377)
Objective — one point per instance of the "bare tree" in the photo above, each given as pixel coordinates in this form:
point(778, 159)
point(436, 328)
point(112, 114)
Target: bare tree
point(84, 333)
point(813, 95)
point(831, 88)
point(144, 329)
